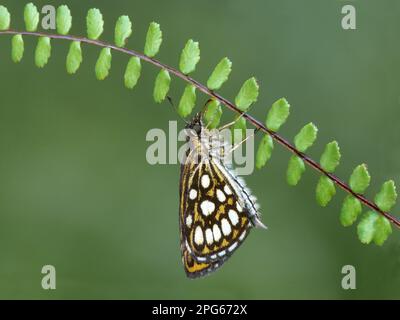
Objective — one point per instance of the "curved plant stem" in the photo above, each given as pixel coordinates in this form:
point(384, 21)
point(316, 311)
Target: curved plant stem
point(313, 164)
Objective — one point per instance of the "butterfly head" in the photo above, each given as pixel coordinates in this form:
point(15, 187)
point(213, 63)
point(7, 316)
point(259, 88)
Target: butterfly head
point(196, 124)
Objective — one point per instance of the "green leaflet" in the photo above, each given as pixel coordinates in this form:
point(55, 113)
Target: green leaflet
point(373, 227)
point(64, 20)
point(31, 17)
point(325, 191)
point(5, 18)
point(382, 230)
point(278, 114)
point(350, 211)
point(220, 74)
point(387, 196)
point(366, 227)
point(42, 52)
point(213, 113)
point(94, 24)
point(264, 151)
point(17, 48)
point(161, 87)
point(132, 72)
point(330, 158)
point(103, 64)
point(123, 30)
point(306, 137)
point(188, 101)
point(360, 179)
point(190, 56)
point(247, 95)
point(153, 40)
point(238, 130)
point(295, 170)
point(74, 57)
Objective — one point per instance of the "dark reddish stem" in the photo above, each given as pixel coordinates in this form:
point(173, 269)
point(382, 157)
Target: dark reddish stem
point(225, 102)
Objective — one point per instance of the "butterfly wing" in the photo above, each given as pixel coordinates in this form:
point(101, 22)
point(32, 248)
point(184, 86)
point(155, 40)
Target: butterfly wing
point(215, 217)
point(217, 211)
point(192, 266)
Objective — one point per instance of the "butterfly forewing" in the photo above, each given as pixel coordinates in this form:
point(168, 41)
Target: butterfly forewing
point(216, 211)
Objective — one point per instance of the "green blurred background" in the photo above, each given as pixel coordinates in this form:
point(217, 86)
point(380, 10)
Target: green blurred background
point(76, 191)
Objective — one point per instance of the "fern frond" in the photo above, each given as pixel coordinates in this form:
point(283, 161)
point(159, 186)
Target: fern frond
point(374, 226)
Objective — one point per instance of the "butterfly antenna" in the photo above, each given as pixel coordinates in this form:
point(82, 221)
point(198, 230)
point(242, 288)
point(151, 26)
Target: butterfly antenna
point(176, 110)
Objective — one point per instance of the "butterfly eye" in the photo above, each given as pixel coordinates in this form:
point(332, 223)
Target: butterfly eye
point(197, 128)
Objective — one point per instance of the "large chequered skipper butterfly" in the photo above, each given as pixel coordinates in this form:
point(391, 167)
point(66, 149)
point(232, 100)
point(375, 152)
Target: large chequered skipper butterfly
point(217, 211)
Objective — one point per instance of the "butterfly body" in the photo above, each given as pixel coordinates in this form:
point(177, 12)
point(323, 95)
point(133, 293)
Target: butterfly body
point(217, 211)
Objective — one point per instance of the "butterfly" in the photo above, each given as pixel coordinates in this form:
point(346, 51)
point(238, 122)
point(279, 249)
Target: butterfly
point(216, 210)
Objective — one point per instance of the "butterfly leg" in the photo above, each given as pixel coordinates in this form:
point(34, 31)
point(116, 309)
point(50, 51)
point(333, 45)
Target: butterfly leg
point(225, 126)
point(244, 140)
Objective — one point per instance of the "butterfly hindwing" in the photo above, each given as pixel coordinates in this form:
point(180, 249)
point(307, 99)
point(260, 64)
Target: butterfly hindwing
point(219, 223)
point(216, 211)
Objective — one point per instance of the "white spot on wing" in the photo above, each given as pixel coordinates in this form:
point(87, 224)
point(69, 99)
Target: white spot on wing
point(198, 236)
point(189, 221)
point(209, 236)
point(242, 235)
point(207, 207)
point(205, 181)
point(192, 194)
point(220, 196)
point(216, 232)
point(232, 247)
point(226, 227)
point(227, 190)
point(233, 216)
point(238, 207)
point(187, 247)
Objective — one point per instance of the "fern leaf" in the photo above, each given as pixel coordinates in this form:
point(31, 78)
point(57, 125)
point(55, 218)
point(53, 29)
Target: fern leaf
point(325, 191)
point(43, 52)
point(387, 196)
point(360, 179)
point(17, 48)
point(5, 18)
point(123, 30)
point(220, 74)
point(295, 170)
point(366, 227)
point(351, 209)
point(306, 137)
point(132, 72)
point(153, 40)
point(190, 56)
point(103, 64)
point(63, 20)
point(239, 130)
point(188, 101)
point(31, 17)
point(212, 114)
point(330, 158)
point(94, 24)
point(161, 86)
point(383, 229)
point(247, 95)
point(264, 151)
point(278, 114)
point(74, 57)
